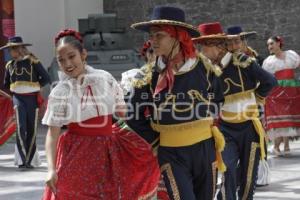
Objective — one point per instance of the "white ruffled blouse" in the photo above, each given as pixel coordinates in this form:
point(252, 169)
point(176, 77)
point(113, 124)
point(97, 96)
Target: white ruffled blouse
point(70, 101)
point(273, 64)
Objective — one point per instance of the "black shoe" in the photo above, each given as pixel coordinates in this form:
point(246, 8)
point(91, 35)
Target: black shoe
point(258, 185)
point(29, 166)
point(22, 166)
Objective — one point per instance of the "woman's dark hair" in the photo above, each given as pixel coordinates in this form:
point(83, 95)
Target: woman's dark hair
point(278, 39)
point(71, 37)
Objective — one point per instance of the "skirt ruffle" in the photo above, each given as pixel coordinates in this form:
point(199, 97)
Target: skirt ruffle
point(282, 108)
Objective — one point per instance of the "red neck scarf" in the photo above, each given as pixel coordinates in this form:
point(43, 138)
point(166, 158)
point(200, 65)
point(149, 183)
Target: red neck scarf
point(187, 50)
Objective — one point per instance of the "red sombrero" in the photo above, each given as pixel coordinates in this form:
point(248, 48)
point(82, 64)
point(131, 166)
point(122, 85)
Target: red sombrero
point(210, 31)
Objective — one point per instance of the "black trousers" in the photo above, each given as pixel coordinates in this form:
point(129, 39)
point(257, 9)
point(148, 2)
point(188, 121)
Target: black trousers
point(189, 172)
point(26, 115)
point(241, 157)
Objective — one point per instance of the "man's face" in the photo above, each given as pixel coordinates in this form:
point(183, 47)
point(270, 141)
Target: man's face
point(161, 42)
point(215, 49)
point(244, 45)
point(234, 44)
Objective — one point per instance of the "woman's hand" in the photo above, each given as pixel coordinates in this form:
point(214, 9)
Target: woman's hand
point(5, 94)
point(120, 111)
point(51, 180)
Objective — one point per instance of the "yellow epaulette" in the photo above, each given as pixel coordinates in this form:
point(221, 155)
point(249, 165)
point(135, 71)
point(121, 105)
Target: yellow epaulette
point(144, 78)
point(8, 64)
point(209, 65)
point(32, 58)
point(253, 52)
point(242, 60)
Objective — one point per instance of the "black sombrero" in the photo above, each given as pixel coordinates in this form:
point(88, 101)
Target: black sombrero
point(13, 42)
point(238, 31)
point(166, 15)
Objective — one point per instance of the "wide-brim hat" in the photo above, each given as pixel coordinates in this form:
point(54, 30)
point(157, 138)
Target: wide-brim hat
point(14, 41)
point(238, 31)
point(210, 31)
point(166, 15)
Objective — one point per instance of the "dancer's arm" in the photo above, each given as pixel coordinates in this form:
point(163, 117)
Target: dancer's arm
point(51, 144)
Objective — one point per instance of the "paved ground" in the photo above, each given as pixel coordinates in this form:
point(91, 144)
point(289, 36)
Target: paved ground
point(21, 185)
point(28, 185)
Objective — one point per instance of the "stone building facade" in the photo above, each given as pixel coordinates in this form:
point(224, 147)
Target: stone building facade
point(267, 17)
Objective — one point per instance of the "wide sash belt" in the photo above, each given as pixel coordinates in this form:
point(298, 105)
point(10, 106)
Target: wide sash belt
point(97, 126)
point(189, 133)
point(252, 114)
point(285, 74)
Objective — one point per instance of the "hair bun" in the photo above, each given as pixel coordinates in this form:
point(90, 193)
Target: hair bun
point(145, 47)
point(68, 32)
point(280, 40)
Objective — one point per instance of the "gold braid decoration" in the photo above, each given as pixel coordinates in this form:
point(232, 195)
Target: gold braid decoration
point(195, 94)
point(237, 60)
point(32, 58)
point(250, 169)
point(252, 52)
point(228, 82)
point(170, 176)
point(147, 77)
point(8, 64)
point(210, 66)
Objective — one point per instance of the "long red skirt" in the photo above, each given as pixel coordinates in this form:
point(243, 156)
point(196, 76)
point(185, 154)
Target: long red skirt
point(117, 167)
point(282, 109)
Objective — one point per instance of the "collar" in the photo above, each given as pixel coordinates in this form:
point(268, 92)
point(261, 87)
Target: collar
point(187, 66)
point(226, 59)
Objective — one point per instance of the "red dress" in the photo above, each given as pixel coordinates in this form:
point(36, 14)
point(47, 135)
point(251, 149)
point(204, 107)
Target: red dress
point(109, 163)
point(7, 121)
point(282, 106)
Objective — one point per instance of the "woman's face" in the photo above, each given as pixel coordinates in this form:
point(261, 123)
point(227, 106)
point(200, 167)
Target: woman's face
point(161, 42)
point(273, 46)
point(71, 60)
